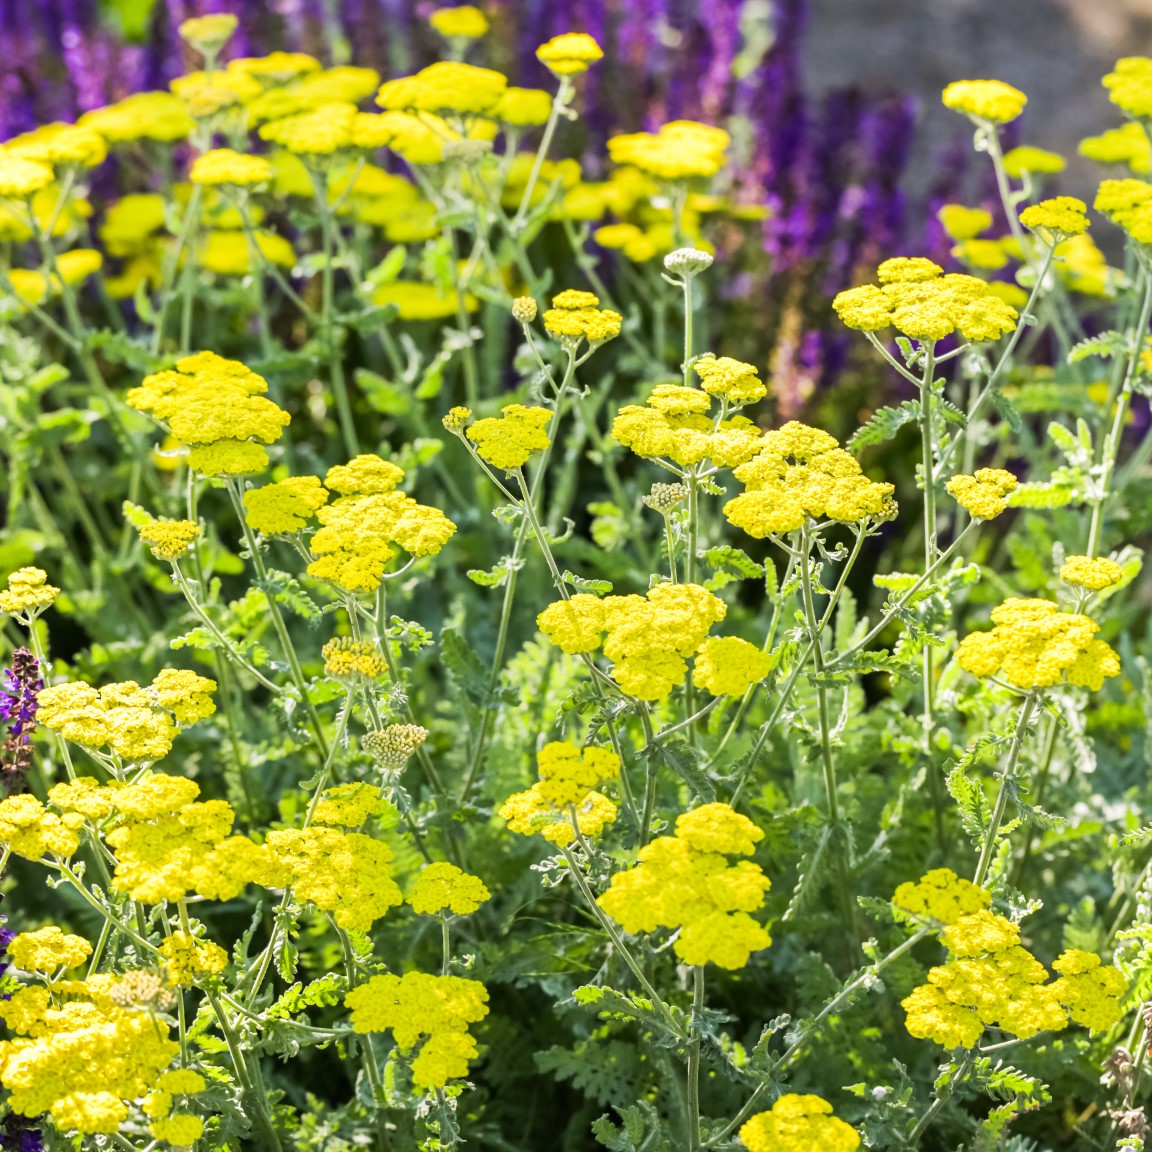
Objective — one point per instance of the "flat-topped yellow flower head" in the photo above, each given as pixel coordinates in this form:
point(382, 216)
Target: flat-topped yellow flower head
point(681, 150)
point(917, 300)
point(1057, 219)
point(1035, 645)
point(1130, 86)
point(570, 53)
point(991, 101)
point(222, 166)
point(983, 495)
point(464, 22)
point(799, 1124)
point(208, 34)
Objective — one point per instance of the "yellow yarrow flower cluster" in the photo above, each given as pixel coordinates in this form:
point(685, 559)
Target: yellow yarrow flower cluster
point(78, 1057)
point(430, 1011)
point(341, 85)
point(674, 425)
point(220, 93)
point(681, 150)
point(799, 1124)
point(576, 316)
point(47, 949)
point(189, 960)
point(32, 831)
point(285, 507)
point(648, 638)
point(917, 300)
point(1128, 204)
point(1057, 219)
point(157, 116)
point(1092, 572)
point(135, 723)
point(181, 1129)
point(1026, 159)
point(962, 223)
point(733, 380)
point(346, 873)
point(990, 979)
point(510, 440)
point(169, 539)
point(208, 34)
point(350, 805)
point(217, 408)
point(569, 54)
point(1035, 645)
point(353, 660)
point(20, 179)
point(684, 882)
point(1126, 145)
point(329, 128)
point(226, 166)
point(464, 22)
point(991, 101)
point(60, 144)
point(1130, 86)
point(445, 88)
point(729, 666)
point(799, 473)
point(353, 546)
point(28, 594)
point(443, 887)
point(983, 495)
point(942, 896)
point(567, 785)
point(1089, 991)
point(276, 68)
point(166, 843)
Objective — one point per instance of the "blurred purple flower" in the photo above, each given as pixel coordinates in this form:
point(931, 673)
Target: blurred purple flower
point(18, 687)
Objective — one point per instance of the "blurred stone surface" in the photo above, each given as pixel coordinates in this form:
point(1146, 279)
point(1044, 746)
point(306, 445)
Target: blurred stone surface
point(1054, 50)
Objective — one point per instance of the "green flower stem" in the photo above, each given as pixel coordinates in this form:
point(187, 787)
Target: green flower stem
point(256, 270)
point(228, 646)
point(892, 612)
point(1041, 789)
point(931, 551)
point(696, 1028)
point(1116, 434)
point(381, 624)
point(1007, 780)
point(559, 108)
point(368, 1056)
point(278, 618)
point(942, 1098)
point(649, 778)
point(463, 323)
point(327, 316)
point(265, 958)
point(866, 979)
point(247, 1086)
point(770, 639)
point(533, 493)
point(79, 342)
point(785, 694)
point(817, 654)
point(445, 944)
point(248, 1072)
point(266, 265)
point(587, 264)
point(617, 940)
point(1005, 356)
point(63, 335)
